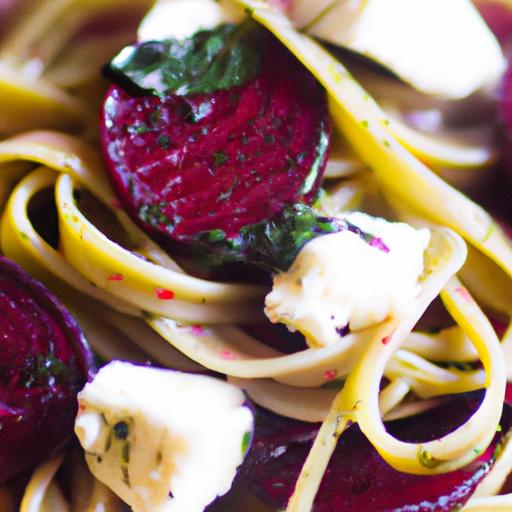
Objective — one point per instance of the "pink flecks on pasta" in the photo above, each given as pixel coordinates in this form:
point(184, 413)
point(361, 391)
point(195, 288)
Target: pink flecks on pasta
point(463, 294)
point(227, 355)
point(164, 294)
point(386, 339)
point(330, 374)
point(115, 277)
point(198, 330)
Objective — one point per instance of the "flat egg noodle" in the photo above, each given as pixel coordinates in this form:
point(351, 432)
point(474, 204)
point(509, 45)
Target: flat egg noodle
point(429, 380)
point(497, 476)
point(99, 258)
point(42, 493)
point(28, 98)
point(488, 281)
point(26, 104)
point(437, 152)
point(489, 504)
point(313, 404)
point(460, 444)
point(450, 344)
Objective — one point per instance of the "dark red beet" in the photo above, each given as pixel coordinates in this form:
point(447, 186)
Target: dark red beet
point(357, 478)
point(44, 361)
point(498, 17)
point(277, 336)
point(185, 165)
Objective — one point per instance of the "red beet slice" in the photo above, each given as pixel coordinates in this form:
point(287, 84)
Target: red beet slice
point(183, 165)
point(357, 478)
point(44, 362)
point(498, 17)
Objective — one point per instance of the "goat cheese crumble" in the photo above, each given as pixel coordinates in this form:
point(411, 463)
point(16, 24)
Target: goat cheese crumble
point(438, 46)
point(162, 440)
point(341, 282)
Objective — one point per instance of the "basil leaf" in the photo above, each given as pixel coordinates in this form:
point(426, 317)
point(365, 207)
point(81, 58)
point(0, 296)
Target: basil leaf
point(224, 57)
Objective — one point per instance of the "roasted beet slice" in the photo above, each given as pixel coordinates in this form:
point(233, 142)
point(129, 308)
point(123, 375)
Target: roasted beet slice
point(44, 361)
point(183, 165)
point(357, 478)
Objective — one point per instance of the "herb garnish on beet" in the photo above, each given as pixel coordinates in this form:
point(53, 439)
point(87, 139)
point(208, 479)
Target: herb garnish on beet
point(44, 361)
point(230, 155)
point(209, 61)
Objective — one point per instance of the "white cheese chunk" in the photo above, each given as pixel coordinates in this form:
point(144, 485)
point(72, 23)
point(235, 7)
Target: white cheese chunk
point(440, 47)
point(162, 440)
point(341, 280)
point(182, 18)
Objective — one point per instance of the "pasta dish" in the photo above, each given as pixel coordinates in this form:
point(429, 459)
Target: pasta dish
point(304, 225)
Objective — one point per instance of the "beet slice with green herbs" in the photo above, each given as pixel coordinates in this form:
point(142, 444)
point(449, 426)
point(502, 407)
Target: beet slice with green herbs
point(44, 362)
point(357, 478)
point(224, 156)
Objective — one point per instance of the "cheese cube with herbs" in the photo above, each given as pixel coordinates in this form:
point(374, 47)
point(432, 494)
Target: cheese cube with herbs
point(162, 440)
point(350, 280)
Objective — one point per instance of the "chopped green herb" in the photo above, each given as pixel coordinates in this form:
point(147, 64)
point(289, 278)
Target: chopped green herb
point(44, 370)
point(126, 476)
point(164, 141)
point(125, 453)
point(154, 214)
point(271, 245)
point(219, 158)
point(246, 441)
point(210, 60)
point(138, 129)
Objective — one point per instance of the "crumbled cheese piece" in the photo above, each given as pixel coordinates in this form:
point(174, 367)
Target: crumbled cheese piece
point(438, 46)
point(162, 440)
point(182, 18)
point(341, 281)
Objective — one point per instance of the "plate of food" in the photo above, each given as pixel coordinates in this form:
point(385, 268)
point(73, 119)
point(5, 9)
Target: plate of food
point(255, 255)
